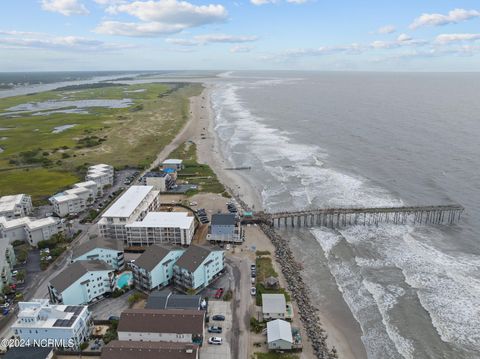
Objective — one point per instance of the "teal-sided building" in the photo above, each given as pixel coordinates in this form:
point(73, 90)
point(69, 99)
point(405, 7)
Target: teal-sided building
point(197, 268)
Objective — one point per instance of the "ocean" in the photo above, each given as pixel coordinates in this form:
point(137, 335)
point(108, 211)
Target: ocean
point(370, 139)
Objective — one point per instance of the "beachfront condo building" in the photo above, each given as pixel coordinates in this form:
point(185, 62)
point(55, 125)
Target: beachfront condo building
point(45, 323)
point(154, 268)
point(197, 268)
point(7, 261)
point(15, 206)
point(101, 174)
point(173, 163)
point(109, 251)
point(132, 206)
point(95, 190)
point(161, 228)
point(29, 229)
point(161, 181)
point(225, 228)
point(82, 282)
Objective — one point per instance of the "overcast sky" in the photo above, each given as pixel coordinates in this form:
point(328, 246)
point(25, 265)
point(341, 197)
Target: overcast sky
point(409, 35)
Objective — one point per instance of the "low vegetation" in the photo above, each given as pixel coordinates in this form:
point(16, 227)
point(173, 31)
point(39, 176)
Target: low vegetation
point(272, 355)
point(135, 298)
point(111, 333)
point(256, 326)
point(265, 269)
point(196, 173)
point(39, 162)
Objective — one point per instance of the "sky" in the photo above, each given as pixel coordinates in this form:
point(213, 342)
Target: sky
point(341, 35)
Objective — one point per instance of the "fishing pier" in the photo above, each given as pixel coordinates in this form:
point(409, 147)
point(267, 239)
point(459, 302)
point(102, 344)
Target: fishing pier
point(343, 217)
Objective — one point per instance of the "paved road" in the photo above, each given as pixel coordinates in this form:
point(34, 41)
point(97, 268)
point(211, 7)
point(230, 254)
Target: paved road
point(242, 307)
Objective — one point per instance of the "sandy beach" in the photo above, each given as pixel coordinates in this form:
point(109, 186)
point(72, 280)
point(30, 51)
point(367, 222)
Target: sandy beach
point(201, 129)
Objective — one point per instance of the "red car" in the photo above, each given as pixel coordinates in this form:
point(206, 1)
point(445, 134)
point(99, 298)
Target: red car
point(219, 293)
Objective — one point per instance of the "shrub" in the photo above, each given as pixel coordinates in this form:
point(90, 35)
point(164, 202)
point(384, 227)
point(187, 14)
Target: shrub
point(84, 346)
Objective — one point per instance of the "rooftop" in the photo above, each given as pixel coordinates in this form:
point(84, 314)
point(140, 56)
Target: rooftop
point(172, 161)
point(8, 203)
point(274, 303)
point(64, 197)
point(85, 184)
point(176, 321)
point(165, 220)
point(223, 219)
point(26, 221)
point(41, 222)
point(129, 201)
point(279, 330)
point(75, 271)
point(27, 352)
point(148, 350)
point(97, 243)
point(193, 257)
point(152, 256)
point(167, 300)
point(155, 174)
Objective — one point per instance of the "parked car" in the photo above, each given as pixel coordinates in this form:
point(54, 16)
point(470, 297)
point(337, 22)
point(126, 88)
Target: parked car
point(215, 329)
point(218, 317)
point(253, 291)
point(254, 274)
point(215, 340)
point(252, 280)
point(113, 317)
point(253, 267)
point(219, 293)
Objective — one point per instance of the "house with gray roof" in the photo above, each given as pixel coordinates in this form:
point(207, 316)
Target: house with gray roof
point(197, 268)
point(279, 335)
point(225, 228)
point(82, 282)
point(154, 268)
point(109, 251)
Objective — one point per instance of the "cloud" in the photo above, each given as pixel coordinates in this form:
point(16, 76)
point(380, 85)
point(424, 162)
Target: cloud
point(449, 38)
point(65, 7)
point(240, 49)
point(160, 17)
point(402, 40)
point(387, 29)
point(19, 39)
point(211, 38)
point(453, 17)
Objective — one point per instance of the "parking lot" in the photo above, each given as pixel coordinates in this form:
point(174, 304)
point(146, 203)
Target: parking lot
point(209, 351)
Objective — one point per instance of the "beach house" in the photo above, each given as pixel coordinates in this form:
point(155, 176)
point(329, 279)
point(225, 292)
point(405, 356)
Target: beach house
point(197, 268)
point(279, 335)
point(109, 251)
point(225, 227)
point(51, 324)
point(175, 164)
point(154, 268)
point(82, 282)
point(274, 306)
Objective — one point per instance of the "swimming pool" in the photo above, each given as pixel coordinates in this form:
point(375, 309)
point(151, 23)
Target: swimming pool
point(124, 279)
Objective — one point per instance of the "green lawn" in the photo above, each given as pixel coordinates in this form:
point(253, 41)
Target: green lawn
point(275, 356)
point(122, 137)
point(264, 270)
point(196, 173)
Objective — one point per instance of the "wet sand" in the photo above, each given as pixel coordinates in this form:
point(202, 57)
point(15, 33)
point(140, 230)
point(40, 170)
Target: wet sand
point(343, 333)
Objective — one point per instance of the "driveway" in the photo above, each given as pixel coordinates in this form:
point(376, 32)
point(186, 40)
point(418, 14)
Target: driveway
point(223, 351)
point(107, 307)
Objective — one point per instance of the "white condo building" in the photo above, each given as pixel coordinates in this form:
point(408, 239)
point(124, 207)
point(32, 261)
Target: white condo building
point(161, 227)
point(7, 261)
point(132, 206)
point(40, 321)
point(91, 186)
point(101, 174)
point(82, 282)
point(29, 229)
point(15, 206)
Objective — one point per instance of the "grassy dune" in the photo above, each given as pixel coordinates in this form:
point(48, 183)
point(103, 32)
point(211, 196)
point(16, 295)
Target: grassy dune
point(122, 137)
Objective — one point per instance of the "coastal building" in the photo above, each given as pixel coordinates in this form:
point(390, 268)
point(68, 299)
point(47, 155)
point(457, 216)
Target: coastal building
point(82, 282)
point(161, 227)
point(279, 335)
point(101, 174)
point(128, 349)
point(94, 189)
point(172, 172)
point(173, 163)
point(154, 325)
point(132, 206)
point(30, 230)
point(274, 306)
point(160, 181)
point(15, 206)
point(109, 251)
point(225, 227)
point(7, 261)
point(29, 352)
point(66, 204)
point(197, 268)
point(52, 325)
point(154, 268)
point(165, 299)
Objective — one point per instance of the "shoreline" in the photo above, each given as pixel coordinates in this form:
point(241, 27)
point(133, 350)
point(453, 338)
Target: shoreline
point(208, 152)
